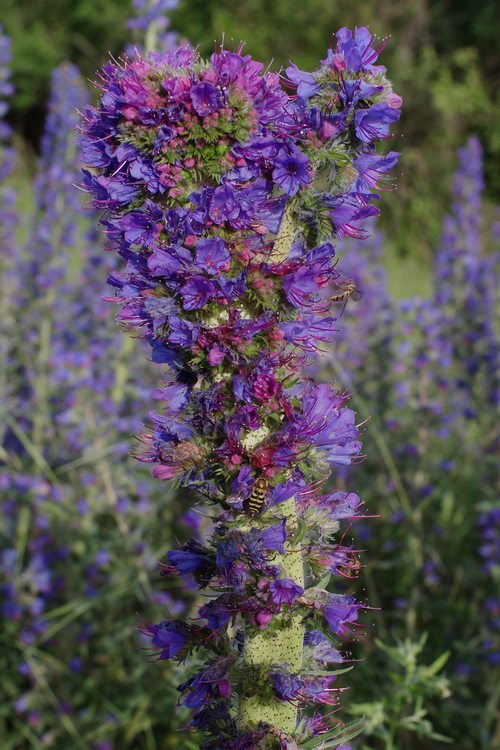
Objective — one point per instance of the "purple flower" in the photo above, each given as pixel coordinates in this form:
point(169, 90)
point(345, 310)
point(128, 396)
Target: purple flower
point(341, 610)
point(322, 649)
point(165, 134)
point(205, 99)
point(307, 86)
point(331, 428)
point(241, 389)
point(291, 171)
point(284, 591)
point(343, 504)
point(301, 286)
point(196, 292)
point(264, 387)
point(159, 310)
point(215, 356)
point(176, 394)
point(182, 332)
point(308, 331)
point(345, 214)
point(191, 558)
point(228, 552)
point(373, 170)
point(141, 226)
point(274, 537)
point(231, 289)
point(373, 124)
point(224, 205)
point(169, 262)
point(201, 281)
point(286, 685)
point(169, 636)
point(116, 190)
point(357, 49)
point(212, 256)
point(319, 689)
point(162, 354)
point(216, 614)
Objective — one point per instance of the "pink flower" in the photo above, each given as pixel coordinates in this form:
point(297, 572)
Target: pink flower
point(265, 387)
point(215, 356)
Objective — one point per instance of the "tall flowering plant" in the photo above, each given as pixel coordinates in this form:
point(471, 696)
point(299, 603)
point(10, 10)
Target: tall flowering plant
point(222, 186)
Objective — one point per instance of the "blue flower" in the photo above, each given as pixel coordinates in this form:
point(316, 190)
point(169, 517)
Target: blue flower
point(183, 332)
point(291, 170)
point(284, 591)
point(196, 292)
point(274, 537)
point(141, 227)
point(225, 205)
point(191, 558)
point(286, 685)
point(169, 636)
point(357, 49)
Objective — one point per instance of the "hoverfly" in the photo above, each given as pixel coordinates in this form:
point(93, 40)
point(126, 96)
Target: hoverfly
point(259, 492)
point(349, 291)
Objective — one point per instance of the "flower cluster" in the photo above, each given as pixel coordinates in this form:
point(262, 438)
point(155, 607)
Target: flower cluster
point(489, 551)
point(366, 330)
point(222, 193)
point(466, 291)
point(8, 213)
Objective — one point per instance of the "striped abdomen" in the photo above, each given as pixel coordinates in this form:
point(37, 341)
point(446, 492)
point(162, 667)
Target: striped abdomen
point(259, 492)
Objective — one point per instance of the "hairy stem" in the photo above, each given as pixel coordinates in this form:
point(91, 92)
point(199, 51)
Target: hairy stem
point(283, 646)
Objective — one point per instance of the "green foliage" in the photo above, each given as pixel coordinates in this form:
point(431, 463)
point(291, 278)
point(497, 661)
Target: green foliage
point(441, 60)
point(47, 32)
point(409, 685)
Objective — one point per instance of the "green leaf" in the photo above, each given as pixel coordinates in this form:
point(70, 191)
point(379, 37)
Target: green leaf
point(438, 663)
point(335, 736)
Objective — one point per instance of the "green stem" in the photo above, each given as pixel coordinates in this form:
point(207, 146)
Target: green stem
point(151, 39)
point(283, 646)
